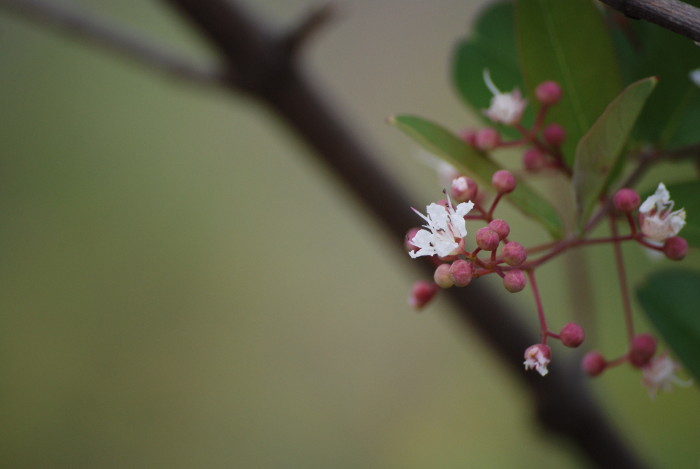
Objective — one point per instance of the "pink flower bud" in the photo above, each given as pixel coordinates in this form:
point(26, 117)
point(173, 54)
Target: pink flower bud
point(514, 280)
point(593, 363)
point(503, 181)
point(463, 189)
point(642, 349)
point(548, 92)
point(676, 248)
point(487, 139)
point(421, 294)
point(554, 134)
point(487, 239)
point(461, 273)
point(407, 244)
point(626, 200)
point(501, 227)
point(571, 335)
point(442, 276)
point(533, 159)
point(514, 253)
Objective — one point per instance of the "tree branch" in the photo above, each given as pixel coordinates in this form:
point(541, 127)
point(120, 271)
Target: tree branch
point(564, 405)
point(114, 38)
point(674, 15)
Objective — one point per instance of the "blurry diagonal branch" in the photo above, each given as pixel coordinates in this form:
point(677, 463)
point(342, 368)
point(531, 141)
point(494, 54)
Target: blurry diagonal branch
point(266, 69)
point(115, 38)
point(674, 15)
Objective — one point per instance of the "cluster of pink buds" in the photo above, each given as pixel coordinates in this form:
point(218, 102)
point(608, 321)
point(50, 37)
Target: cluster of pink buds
point(542, 143)
point(654, 224)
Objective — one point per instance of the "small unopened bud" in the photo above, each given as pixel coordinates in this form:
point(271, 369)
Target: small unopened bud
point(421, 294)
point(571, 335)
point(626, 200)
point(407, 244)
point(501, 227)
point(461, 273)
point(593, 363)
point(554, 134)
point(503, 181)
point(676, 248)
point(514, 253)
point(442, 276)
point(642, 349)
point(533, 159)
point(487, 139)
point(487, 239)
point(514, 280)
point(463, 189)
point(548, 92)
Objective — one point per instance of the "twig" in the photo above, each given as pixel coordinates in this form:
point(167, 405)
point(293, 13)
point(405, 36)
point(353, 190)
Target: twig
point(115, 38)
point(674, 15)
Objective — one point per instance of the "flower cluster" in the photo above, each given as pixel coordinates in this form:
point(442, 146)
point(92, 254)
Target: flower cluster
point(459, 258)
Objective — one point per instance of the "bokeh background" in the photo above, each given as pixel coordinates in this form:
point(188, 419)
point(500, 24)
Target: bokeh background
point(183, 287)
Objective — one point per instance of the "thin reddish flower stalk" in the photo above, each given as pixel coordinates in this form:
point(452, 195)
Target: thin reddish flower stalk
point(538, 302)
point(622, 278)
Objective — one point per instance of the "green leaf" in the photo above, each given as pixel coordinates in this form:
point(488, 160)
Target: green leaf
point(670, 299)
point(491, 45)
point(671, 115)
point(443, 143)
point(687, 195)
point(600, 150)
point(566, 41)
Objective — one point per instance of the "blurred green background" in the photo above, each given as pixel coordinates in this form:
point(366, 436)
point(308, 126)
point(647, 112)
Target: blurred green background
point(182, 287)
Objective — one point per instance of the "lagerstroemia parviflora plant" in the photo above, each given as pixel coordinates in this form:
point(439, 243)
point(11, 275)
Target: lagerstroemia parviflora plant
point(596, 136)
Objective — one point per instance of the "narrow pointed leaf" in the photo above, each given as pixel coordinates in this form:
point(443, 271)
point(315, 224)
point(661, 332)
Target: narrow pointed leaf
point(670, 299)
point(443, 143)
point(600, 150)
point(566, 41)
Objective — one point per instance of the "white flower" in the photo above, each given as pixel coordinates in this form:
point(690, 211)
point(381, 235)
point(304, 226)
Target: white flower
point(505, 107)
point(695, 76)
point(445, 227)
point(537, 358)
point(659, 222)
point(660, 374)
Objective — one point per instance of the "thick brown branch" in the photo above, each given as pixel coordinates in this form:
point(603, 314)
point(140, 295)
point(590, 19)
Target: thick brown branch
point(674, 15)
point(563, 403)
point(113, 37)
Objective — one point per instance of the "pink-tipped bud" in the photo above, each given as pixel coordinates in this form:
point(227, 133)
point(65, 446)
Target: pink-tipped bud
point(626, 200)
point(554, 134)
point(469, 136)
point(487, 139)
point(572, 335)
point(501, 227)
point(421, 294)
point(442, 276)
point(487, 239)
point(593, 363)
point(514, 281)
point(407, 244)
point(514, 253)
point(461, 273)
point(503, 181)
point(463, 189)
point(548, 92)
point(533, 159)
point(642, 349)
point(676, 248)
